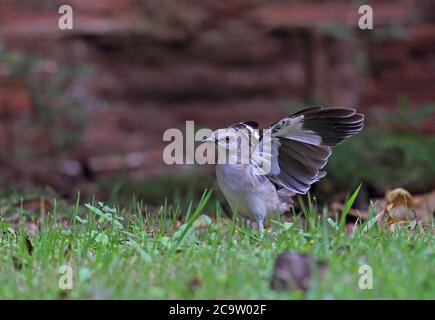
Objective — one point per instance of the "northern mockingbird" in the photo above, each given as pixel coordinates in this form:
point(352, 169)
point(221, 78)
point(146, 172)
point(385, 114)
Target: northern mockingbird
point(262, 172)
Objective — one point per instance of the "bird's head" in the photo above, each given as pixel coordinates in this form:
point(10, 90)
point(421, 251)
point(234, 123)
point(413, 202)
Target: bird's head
point(227, 139)
point(237, 141)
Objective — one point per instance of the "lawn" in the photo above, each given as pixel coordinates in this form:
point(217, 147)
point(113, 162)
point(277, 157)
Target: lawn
point(178, 252)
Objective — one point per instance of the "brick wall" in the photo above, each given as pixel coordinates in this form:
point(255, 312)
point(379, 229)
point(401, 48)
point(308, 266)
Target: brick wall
point(159, 63)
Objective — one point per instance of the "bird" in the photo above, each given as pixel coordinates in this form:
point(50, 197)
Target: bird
point(261, 172)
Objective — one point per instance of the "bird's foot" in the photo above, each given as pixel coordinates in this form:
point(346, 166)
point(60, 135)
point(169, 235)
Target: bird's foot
point(260, 222)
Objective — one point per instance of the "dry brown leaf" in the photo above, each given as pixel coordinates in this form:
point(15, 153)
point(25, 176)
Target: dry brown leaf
point(400, 213)
point(399, 210)
point(63, 294)
point(29, 246)
point(203, 222)
point(399, 197)
point(194, 284)
point(352, 215)
point(294, 269)
point(425, 207)
point(178, 223)
point(32, 227)
point(35, 205)
point(397, 205)
point(18, 264)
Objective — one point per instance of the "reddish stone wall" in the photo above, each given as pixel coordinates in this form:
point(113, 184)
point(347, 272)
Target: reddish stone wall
point(159, 63)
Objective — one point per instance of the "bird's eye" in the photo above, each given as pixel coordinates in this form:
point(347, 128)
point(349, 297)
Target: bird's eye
point(227, 139)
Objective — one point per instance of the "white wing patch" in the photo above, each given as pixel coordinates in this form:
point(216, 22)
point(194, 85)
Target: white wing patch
point(291, 128)
point(292, 151)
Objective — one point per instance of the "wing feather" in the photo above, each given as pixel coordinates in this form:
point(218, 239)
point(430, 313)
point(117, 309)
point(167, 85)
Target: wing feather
point(301, 145)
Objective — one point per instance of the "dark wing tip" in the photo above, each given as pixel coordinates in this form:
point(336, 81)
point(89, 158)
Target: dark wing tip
point(300, 161)
point(245, 124)
point(334, 125)
point(252, 124)
point(307, 111)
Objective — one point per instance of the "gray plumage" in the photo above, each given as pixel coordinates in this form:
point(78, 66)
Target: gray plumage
point(293, 151)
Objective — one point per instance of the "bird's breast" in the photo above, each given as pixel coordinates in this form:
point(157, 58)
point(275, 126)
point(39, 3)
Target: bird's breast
point(246, 193)
point(234, 177)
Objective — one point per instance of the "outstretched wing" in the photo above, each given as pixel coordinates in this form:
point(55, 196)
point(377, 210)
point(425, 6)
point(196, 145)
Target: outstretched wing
point(293, 151)
point(251, 127)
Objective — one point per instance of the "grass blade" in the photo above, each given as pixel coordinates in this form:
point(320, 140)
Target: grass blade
point(347, 207)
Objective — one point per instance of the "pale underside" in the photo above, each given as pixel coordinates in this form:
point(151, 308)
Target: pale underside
point(250, 196)
point(295, 150)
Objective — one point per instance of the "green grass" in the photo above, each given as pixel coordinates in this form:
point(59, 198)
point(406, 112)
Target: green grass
point(119, 253)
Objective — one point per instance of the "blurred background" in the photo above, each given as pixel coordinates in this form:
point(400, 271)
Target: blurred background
point(85, 109)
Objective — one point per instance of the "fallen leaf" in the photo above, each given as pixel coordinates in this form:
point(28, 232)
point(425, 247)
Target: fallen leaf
point(398, 209)
point(401, 213)
point(32, 227)
point(400, 197)
point(29, 245)
point(18, 264)
point(203, 222)
point(425, 207)
point(352, 216)
point(178, 223)
point(63, 294)
point(294, 269)
point(35, 205)
point(64, 221)
point(400, 205)
point(194, 284)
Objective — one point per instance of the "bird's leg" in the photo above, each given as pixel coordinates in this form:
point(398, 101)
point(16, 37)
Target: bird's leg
point(260, 222)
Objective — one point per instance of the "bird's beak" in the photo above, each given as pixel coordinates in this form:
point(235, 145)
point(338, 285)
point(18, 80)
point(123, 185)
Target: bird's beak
point(209, 139)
